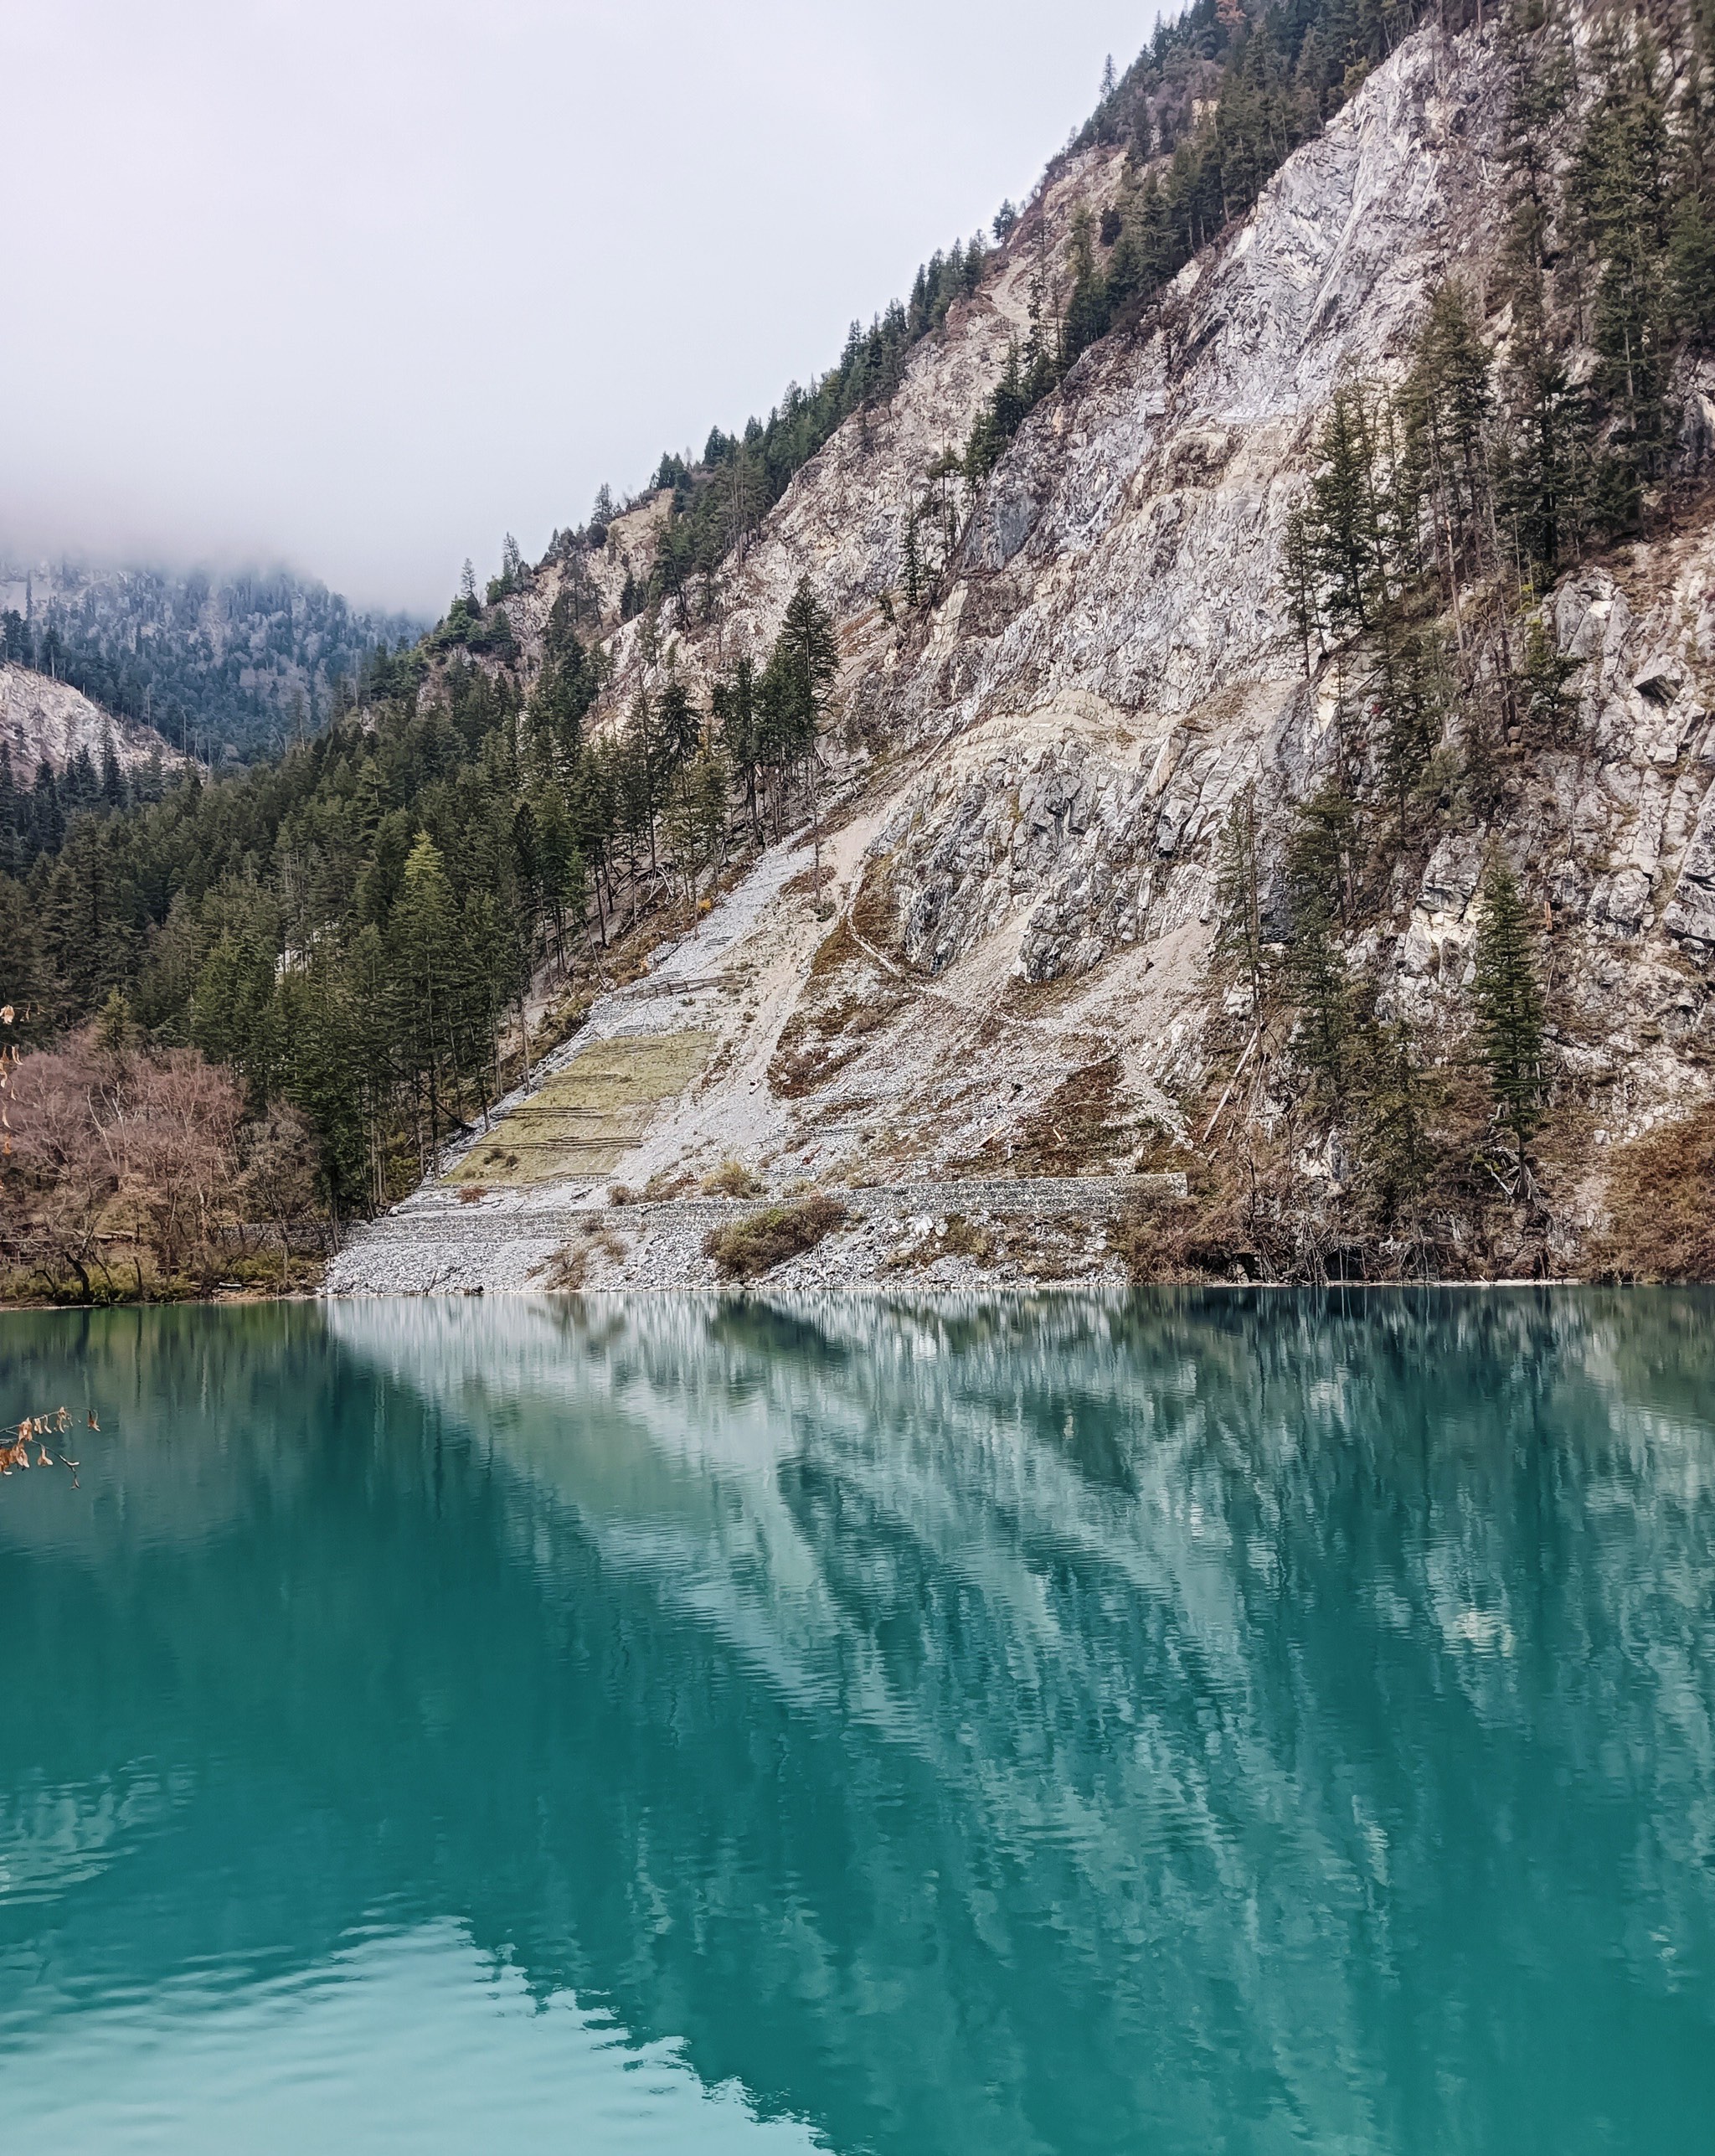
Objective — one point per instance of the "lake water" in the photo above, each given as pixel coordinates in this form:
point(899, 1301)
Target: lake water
point(1197, 1723)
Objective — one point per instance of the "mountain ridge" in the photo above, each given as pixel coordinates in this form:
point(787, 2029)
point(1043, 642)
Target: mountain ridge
point(1208, 746)
point(238, 662)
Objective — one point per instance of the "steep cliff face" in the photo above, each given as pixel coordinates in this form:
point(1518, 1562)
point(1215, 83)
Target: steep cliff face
point(1033, 771)
point(1114, 659)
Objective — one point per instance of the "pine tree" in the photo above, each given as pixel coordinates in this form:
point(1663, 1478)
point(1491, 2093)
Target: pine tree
point(10, 862)
point(1550, 711)
point(1509, 1000)
point(1545, 450)
point(806, 657)
point(736, 720)
point(697, 817)
point(1396, 1153)
point(1324, 995)
point(1408, 680)
point(1620, 190)
point(1693, 244)
point(1317, 870)
point(1301, 584)
point(1343, 526)
point(804, 662)
point(1446, 405)
point(423, 934)
point(912, 560)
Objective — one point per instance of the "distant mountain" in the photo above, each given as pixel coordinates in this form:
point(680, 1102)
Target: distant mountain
point(229, 668)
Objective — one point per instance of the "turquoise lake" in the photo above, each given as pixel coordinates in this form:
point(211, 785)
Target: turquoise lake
point(1198, 1722)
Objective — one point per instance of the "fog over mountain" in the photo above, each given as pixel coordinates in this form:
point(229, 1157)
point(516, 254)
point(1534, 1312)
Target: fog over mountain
point(364, 289)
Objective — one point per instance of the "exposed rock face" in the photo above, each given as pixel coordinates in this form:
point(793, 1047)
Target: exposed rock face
point(1043, 762)
point(1114, 661)
point(44, 720)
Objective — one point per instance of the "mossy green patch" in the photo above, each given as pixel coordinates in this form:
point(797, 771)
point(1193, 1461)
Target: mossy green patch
point(583, 1120)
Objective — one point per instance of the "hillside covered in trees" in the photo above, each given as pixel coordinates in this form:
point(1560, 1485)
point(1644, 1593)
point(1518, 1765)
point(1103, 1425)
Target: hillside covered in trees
point(1246, 615)
point(224, 666)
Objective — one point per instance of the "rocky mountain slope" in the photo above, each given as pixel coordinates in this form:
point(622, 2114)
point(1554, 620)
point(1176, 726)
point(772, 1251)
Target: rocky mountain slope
point(1032, 772)
point(47, 721)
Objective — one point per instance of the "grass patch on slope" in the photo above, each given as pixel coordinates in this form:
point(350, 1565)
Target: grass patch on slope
point(582, 1121)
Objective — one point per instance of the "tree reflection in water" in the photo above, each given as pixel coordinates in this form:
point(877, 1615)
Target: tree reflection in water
point(1203, 1720)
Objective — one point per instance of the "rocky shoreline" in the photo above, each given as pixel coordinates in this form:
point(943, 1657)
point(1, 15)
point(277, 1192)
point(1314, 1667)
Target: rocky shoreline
point(978, 1233)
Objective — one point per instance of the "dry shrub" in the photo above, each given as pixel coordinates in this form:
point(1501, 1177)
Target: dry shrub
point(472, 1193)
point(732, 1179)
point(1081, 1128)
point(1172, 1239)
point(816, 1045)
point(567, 1269)
point(1081, 1125)
point(966, 1238)
point(838, 948)
point(1661, 1204)
point(1247, 1216)
point(875, 911)
point(667, 1182)
point(125, 1168)
point(807, 885)
point(747, 1249)
point(621, 1194)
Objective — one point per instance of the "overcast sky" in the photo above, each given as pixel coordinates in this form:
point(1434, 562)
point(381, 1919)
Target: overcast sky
point(361, 285)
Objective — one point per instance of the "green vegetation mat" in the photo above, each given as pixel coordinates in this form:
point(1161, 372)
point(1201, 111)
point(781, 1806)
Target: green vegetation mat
point(585, 1119)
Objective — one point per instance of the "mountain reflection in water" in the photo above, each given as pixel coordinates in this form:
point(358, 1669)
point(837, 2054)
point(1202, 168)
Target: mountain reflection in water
point(1188, 1722)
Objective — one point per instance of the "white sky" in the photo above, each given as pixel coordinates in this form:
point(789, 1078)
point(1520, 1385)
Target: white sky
point(363, 284)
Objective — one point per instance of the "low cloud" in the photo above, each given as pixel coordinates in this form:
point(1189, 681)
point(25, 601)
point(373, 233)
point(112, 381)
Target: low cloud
point(363, 289)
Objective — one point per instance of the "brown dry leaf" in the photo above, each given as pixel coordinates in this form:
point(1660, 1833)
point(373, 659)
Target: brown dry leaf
point(39, 1428)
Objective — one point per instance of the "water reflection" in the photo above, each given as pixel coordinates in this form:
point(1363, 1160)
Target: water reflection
point(1204, 1722)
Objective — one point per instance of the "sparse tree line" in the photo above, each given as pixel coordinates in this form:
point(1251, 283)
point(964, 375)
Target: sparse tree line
point(1438, 514)
point(719, 499)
